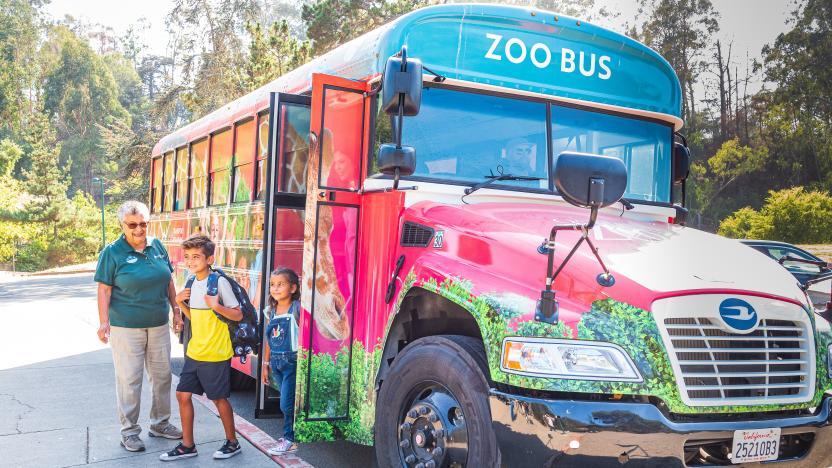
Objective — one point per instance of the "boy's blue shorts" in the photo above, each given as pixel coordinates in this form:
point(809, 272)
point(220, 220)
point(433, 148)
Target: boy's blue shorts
point(211, 378)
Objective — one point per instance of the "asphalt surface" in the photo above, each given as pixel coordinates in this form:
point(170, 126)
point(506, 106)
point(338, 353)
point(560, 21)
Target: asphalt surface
point(47, 338)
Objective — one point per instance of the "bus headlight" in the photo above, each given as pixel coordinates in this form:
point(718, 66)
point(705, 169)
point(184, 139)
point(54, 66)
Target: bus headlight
point(567, 359)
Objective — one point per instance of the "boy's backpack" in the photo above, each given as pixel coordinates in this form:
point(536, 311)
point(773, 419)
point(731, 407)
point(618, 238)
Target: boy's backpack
point(243, 333)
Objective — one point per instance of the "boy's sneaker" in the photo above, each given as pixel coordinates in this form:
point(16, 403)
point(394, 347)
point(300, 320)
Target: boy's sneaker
point(168, 432)
point(228, 449)
point(179, 452)
point(132, 443)
point(283, 446)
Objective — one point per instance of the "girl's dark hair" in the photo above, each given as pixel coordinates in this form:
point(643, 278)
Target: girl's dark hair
point(293, 279)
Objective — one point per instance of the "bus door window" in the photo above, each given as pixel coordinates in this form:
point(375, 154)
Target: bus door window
point(283, 234)
point(329, 275)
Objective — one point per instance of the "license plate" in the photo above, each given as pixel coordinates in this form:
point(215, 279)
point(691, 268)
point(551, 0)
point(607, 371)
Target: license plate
point(755, 445)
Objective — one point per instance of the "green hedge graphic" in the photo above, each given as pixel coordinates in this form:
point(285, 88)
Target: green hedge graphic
point(498, 316)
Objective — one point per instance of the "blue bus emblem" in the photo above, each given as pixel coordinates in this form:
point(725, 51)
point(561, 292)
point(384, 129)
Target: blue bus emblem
point(738, 314)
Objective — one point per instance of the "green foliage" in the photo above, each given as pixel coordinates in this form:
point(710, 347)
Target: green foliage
point(209, 41)
point(18, 39)
point(273, 55)
point(680, 30)
point(791, 215)
point(330, 23)
point(10, 153)
point(80, 94)
point(328, 396)
point(732, 164)
point(741, 225)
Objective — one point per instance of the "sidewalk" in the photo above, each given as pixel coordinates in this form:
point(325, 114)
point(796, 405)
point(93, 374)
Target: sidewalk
point(62, 412)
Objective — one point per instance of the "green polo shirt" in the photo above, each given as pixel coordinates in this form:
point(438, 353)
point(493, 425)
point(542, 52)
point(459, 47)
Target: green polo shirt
point(140, 283)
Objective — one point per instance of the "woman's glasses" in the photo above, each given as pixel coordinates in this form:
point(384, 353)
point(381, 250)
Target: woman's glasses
point(135, 225)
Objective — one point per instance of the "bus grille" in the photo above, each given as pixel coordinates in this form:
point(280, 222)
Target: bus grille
point(769, 365)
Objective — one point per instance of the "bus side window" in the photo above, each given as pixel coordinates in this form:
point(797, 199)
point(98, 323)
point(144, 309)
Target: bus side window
point(220, 167)
point(167, 196)
point(262, 153)
point(156, 185)
point(198, 182)
point(181, 180)
point(244, 148)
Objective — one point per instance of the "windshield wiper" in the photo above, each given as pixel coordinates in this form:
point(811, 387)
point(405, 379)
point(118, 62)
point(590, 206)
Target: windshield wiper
point(490, 179)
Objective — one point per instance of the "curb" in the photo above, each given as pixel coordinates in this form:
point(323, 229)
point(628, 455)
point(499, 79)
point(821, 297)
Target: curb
point(256, 436)
point(56, 273)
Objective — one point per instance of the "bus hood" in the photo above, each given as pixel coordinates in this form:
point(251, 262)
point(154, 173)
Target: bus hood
point(649, 260)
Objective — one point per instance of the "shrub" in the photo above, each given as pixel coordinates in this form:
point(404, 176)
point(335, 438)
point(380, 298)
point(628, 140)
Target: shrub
point(792, 215)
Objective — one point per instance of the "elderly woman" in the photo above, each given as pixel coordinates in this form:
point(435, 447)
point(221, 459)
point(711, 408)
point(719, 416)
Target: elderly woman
point(134, 289)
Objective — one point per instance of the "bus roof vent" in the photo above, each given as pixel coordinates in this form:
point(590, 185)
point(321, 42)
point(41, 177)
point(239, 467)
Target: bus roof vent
point(416, 235)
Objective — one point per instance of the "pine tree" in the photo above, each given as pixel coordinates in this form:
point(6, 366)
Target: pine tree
point(46, 181)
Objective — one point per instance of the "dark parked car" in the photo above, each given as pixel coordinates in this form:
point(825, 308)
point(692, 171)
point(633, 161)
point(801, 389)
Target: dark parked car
point(802, 270)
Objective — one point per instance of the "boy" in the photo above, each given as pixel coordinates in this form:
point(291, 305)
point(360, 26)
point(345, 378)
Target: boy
point(208, 355)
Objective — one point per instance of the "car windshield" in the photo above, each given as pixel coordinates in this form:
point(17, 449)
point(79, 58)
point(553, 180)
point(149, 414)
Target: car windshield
point(463, 137)
point(798, 267)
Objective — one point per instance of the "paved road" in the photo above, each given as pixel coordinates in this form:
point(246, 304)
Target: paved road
point(50, 360)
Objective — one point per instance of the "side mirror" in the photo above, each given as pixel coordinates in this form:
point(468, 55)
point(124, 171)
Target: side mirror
point(590, 180)
point(401, 85)
point(392, 158)
point(681, 162)
point(401, 94)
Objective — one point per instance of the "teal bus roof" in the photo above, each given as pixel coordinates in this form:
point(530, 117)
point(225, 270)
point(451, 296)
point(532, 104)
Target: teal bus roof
point(493, 46)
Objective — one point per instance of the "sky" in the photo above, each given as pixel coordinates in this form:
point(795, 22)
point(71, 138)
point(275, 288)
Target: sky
point(750, 24)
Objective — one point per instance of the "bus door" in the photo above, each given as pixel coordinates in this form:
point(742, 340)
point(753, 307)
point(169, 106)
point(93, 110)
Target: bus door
point(330, 243)
point(287, 143)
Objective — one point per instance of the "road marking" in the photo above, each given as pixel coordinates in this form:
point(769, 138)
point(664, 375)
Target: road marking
point(256, 436)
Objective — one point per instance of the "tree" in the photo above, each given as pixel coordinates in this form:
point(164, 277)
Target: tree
point(209, 45)
point(797, 64)
point(80, 94)
point(681, 30)
point(46, 181)
point(330, 23)
point(18, 34)
point(731, 164)
point(10, 153)
point(791, 215)
point(273, 55)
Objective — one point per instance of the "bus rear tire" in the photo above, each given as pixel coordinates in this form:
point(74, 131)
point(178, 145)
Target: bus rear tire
point(433, 407)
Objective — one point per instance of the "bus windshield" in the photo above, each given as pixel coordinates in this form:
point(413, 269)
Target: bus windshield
point(462, 137)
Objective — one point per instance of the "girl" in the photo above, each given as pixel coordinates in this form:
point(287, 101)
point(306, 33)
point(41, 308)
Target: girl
point(281, 346)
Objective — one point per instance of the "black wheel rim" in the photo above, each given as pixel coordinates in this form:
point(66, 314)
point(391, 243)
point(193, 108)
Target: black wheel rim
point(432, 431)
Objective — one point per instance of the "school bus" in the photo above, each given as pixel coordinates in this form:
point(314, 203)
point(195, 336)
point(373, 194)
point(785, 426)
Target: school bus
point(435, 181)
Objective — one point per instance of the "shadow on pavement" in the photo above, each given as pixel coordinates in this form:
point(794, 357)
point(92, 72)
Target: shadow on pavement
point(31, 289)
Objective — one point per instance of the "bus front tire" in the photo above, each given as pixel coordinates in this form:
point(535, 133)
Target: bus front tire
point(433, 406)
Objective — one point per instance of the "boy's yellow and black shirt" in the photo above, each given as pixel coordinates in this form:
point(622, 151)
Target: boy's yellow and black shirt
point(210, 341)
point(140, 281)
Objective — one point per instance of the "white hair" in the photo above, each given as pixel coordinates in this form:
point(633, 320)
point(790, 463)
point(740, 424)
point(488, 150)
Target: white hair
point(133, 207)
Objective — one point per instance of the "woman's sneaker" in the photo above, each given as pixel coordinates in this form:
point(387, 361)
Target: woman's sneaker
point(228, 449)
point(179, 452)
point(132, 443)
point(283, 446)
point(168, 432)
